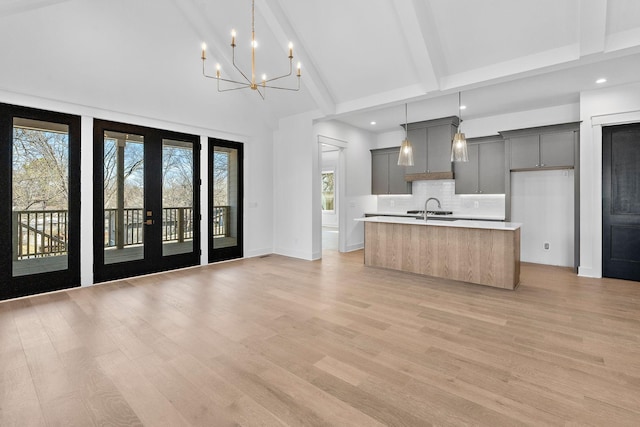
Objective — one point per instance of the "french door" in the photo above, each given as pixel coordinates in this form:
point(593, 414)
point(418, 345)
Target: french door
point(146, 200)
point(39, 201)
point(225, 199)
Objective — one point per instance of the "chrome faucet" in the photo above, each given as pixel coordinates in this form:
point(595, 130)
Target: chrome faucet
point(425, 206)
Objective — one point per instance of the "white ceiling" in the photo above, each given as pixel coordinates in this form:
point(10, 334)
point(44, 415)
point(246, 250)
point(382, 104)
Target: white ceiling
point(362, 59)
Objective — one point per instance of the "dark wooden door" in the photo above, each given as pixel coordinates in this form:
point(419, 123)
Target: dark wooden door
point(621, 202)
point(146, 200)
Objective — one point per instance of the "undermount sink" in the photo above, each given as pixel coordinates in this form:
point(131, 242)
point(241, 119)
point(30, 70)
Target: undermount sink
point(436, 219)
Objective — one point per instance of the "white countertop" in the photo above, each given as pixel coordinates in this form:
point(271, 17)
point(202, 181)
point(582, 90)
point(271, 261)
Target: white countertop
point(490, 225)
point(454, 215)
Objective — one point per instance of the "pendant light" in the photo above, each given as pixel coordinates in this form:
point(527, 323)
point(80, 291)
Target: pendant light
point(459, 145)
point(405, 158)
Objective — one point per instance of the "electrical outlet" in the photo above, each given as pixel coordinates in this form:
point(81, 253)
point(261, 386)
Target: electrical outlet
point(476, 204)
point(546, 246)
point(392, 203)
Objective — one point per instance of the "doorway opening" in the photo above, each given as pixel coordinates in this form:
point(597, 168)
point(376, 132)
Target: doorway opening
point(331, 228)
point(329, 199)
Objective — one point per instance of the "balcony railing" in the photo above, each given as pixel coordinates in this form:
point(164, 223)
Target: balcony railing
point(43, 233)
point(39, 234)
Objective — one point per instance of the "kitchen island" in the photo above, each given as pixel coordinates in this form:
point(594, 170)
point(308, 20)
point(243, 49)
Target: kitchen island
point(482, 252)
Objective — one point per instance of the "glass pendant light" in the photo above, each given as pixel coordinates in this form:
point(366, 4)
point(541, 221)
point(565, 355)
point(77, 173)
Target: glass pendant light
point(405, 158)
point(459, 145)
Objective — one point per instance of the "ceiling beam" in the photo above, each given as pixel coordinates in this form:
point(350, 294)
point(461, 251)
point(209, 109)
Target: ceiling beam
point(593, 26)
point(283, 31)
point(21, 6)
point(396, 96)
point(513, 69)
point(421, 46)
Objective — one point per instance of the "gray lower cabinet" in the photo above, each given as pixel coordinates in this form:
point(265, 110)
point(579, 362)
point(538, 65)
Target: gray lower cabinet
point(550, 147)
point(386, 176)
point(484, 172)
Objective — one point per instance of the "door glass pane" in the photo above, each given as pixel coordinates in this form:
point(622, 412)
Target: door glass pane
point(177, 197)
point(225, 197)
point(123, 197)
point(40, 196)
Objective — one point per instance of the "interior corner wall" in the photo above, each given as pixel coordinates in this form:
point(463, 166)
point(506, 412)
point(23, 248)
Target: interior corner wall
point(357, 156)
point(293, 157)
point(598, 108)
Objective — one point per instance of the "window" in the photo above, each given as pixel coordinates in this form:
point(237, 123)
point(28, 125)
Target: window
point(328, 191)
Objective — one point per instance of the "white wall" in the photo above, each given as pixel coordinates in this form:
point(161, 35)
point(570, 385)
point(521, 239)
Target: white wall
point(606, 106)
point(330, 164)
point(543, 201)
point(258, 194)
point(293, 181)
point(258, 185)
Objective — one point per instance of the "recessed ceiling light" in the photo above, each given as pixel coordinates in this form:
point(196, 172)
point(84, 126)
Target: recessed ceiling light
point(601, 80)
point(463, 107)
point(373, 123)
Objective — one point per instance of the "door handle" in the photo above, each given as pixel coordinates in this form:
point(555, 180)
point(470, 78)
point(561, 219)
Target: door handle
point(148, 222)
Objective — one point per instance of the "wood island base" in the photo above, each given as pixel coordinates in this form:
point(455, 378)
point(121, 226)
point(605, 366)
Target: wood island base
point(484, 256)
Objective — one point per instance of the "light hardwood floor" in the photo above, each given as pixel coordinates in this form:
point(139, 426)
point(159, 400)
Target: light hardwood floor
point(279, 341)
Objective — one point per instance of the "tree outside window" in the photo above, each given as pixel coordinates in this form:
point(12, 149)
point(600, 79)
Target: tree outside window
point(328, 191)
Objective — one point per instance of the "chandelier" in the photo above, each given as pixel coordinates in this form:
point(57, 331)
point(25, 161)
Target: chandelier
point(246, 82)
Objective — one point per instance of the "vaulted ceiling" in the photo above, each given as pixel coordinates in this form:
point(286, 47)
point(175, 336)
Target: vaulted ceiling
point(361, 59)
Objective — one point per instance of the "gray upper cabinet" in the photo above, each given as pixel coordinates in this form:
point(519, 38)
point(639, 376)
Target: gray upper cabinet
point(525, 152)
point(418, 138)
point(556, 149)
point(386, 176)
point(549, 147)
point(484, 172)
point(491, 165)
point(439, 148)
point(467, 172)
point(431, 141)
point(379, 173)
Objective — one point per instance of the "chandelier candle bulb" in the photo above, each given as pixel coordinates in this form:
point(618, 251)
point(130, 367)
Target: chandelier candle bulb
point(299, 69)
point(204, 51)
point(248, 80)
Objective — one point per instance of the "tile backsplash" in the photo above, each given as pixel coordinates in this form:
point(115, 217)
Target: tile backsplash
point(445, 191)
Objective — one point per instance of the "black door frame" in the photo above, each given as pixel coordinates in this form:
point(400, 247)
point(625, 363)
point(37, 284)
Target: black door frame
point(11, 287)
point(153, 260)
point(222, 254)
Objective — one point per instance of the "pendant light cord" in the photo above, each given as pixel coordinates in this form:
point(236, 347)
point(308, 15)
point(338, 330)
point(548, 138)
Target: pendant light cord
point(406, 122)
